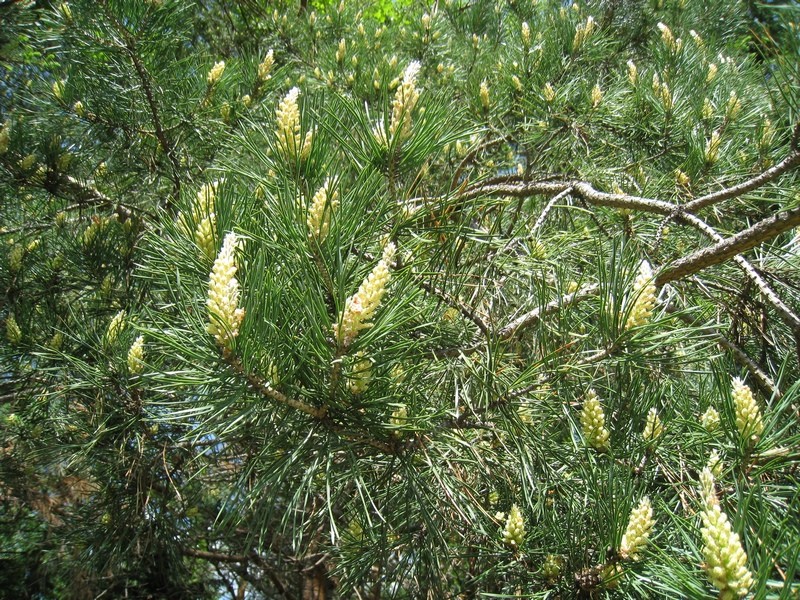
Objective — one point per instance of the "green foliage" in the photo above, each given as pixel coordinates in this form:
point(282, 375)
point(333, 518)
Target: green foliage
point(528, 161)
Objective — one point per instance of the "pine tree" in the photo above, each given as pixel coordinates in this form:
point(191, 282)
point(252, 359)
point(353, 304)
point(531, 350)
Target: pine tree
point(382, 300)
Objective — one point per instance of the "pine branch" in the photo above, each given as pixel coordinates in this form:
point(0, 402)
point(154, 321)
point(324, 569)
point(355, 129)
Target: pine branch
point(522, 322)
point(320, 414)
point(466, 310)
point(165, 144)
point(546, 210)
point(515, 186)
point(83, 195)
point(532, 317)
point(216, 556)
point(787, 164)
point(729, 247)
point(470, 157)
point(263, 387)
point(147, 87)
point(243, 560)
point(86, 193)
point(742, 242)
point(764, 382)
point(786, 313)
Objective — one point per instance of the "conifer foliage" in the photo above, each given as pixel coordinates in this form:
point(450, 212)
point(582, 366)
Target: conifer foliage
point(450, 299)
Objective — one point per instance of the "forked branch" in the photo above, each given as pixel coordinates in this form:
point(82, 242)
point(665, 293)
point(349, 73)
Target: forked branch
point(729, 247)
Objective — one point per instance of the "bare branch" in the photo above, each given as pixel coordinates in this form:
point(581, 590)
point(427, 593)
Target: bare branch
point(216, 556)
point(548, 207)
point(787, 164)
point(729, 247)
point(765, 229)
point(581, 189)
point(533, 317)
point(466, 310)
point(651, 205)
point(516, 189)
point(764, 382)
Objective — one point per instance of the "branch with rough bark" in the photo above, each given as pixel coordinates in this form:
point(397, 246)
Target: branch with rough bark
point(727, 248)
point(722, 249)
point(720, 252)
point(786, 165)
point(786, 314)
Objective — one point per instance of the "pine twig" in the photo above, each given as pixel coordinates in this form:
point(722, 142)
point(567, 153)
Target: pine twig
point(263, 387)
point(145, 80)
point(546, 210)
point(466, 310)
point(764, 382)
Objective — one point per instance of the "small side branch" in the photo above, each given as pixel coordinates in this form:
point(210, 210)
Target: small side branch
point(787, 164)
point(144, 78)
point(88, 194)
point(471, 156)
point(522, 322)
point(762, 380)
point(463, 308)
point(533, 317)
point(546, 210)
point(165, 144)
point(263, 387)
point(216, 556)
